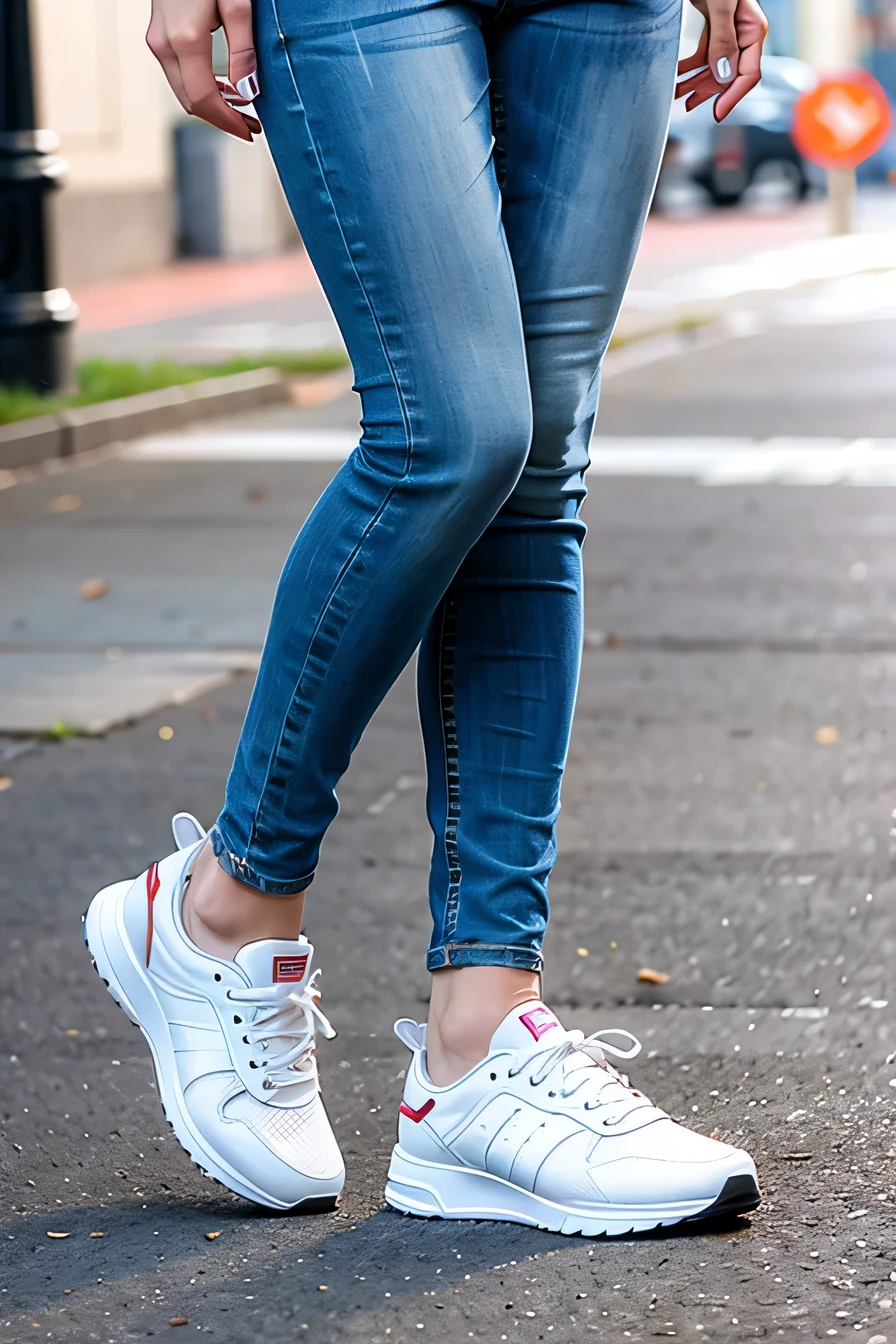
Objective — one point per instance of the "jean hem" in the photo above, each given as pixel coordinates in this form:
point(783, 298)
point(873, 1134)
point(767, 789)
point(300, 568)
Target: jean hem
point(239, 869)
point(484, 954)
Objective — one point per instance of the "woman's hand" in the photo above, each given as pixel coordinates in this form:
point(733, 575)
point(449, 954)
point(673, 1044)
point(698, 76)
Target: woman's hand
point(180, 37)
point(728, 57)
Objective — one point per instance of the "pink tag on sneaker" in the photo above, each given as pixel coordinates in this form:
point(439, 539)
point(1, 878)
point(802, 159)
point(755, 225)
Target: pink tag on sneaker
point(538, 1021)
point(289, 968)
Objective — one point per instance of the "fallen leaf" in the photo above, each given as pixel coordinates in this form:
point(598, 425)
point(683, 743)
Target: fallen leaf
point(97, 1234)
point(59, 1236)
point(322, 1288)
point(72, 1031)
point(166, 733)
point(67, 1291)
point(5, 782)
point(827, 736)
point(91, 589)
point(581, 952)
point(64, 503)
point(649, 977)
point(212, 1236)
point(179, 1320)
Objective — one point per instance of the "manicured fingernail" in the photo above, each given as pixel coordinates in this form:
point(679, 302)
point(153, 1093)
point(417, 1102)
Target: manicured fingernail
point(723, 70)
point(248, 86)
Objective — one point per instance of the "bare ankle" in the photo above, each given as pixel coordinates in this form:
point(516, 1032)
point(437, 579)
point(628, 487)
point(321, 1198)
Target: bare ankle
point(221, 915)
point(468, 1003)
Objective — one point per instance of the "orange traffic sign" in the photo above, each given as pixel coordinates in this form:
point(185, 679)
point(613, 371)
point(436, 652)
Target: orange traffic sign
point(842, 121)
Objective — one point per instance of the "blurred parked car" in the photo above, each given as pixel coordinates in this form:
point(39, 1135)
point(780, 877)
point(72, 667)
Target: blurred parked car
point(751, 149)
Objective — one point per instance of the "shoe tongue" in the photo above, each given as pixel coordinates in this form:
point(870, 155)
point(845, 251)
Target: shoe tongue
point(276, 961)
point(524, 1027)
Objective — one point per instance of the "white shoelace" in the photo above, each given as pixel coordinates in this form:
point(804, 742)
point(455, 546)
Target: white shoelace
point(287, 1017)
point(584, 1069)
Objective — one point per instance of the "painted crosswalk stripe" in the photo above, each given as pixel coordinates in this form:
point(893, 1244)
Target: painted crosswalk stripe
point(708, 461)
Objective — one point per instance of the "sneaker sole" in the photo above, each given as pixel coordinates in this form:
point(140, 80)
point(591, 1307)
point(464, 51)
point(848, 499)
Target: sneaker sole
point(114, 961)
point(431, 1190)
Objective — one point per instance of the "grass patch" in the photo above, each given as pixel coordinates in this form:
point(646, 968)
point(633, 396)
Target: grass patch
point(107, 380)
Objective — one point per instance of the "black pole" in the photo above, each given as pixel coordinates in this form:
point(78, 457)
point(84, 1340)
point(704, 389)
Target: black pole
point(36, 319)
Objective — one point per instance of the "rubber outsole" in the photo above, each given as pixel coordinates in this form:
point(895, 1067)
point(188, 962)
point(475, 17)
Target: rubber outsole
point(739, 1194)
point(429, 1190)
point(311, 1204)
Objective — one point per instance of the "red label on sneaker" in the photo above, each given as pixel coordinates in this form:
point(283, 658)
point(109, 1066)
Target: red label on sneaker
point(538, 1021)
point(289, 968)
point(153, 882)
point(417, 1116)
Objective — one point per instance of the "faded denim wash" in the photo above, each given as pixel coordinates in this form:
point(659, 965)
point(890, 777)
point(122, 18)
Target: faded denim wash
point(470, 181)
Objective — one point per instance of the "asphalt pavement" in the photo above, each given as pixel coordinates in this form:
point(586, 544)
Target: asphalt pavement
point(726, 824)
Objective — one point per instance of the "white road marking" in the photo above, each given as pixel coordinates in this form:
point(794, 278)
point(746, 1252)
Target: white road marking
point(708, 461)
point(300, 445)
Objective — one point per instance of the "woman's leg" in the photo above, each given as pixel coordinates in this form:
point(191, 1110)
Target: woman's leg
point(380, 127)
point(581, 96)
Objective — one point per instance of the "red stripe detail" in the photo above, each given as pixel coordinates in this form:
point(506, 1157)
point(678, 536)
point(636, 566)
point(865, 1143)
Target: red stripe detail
point(153, 882)
point(417, 1116)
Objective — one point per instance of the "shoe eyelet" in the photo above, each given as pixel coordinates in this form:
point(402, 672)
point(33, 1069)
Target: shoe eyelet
point(217, 975)
point(494, 1077)
point(267, 1084)
point(252, 1064)
point(246, 1041)
point(552, 1094)
point(237, 1020)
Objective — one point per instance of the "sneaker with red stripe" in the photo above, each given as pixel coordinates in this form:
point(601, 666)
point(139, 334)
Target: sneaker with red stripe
point(545, 1131)
point(232, 1041)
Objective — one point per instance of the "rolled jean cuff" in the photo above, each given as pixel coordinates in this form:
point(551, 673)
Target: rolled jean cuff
point(240, 869)
point(484, 954)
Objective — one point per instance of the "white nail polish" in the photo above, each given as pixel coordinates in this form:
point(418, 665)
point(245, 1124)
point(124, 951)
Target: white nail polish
point(248, 86)
point(723, 70)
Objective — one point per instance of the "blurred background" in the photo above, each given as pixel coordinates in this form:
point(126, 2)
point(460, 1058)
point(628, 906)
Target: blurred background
point(147, 184)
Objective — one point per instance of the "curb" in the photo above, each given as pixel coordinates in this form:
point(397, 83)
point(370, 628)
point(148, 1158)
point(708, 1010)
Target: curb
point(26, 443)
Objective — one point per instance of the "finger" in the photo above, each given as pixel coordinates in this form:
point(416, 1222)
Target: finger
point(701, 95)
point(237, 101)
point(157, 41)
point(212, 108)
point(236, 16)
point(724, 52)
point(193, 49)
point(173, 76)
point(686, 86)
point(749, 75)
point(698, 60)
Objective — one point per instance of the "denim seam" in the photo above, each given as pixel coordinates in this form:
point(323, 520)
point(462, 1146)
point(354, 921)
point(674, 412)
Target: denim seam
point(239, 869)
point(447, 714)
point(505, 954)
point(257, 819)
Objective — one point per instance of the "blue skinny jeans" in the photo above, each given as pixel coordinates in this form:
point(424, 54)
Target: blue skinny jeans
point(471, 182)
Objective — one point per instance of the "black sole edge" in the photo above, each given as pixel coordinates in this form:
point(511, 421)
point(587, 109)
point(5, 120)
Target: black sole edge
point(739, 1194)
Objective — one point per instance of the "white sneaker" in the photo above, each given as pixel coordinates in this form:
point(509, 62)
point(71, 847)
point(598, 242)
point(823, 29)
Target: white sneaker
point(546, 1132)
point(232, 1041)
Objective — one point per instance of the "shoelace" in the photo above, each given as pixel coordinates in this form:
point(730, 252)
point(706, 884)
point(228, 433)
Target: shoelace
point(602, 1083)
point(292, 1017)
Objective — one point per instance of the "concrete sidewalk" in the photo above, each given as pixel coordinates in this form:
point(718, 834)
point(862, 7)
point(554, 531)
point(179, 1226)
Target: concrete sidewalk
point(209, 310)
